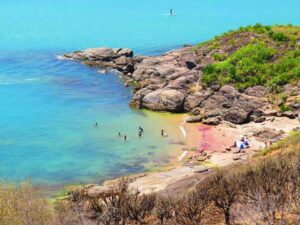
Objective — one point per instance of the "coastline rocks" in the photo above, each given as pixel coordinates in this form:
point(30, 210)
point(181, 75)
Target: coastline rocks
point(213, 121)
point(195, 99)
point(194, 119)
point(170, 82)
point(164, 100)
point(115, 58)
point(256, 91)
point(237, 116)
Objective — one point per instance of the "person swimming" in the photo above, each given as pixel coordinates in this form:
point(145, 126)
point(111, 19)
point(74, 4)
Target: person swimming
point(96, 124)
point(140, 134)
point(141, 130)
point(119, 134)
point(125, 138)
point(171, 12)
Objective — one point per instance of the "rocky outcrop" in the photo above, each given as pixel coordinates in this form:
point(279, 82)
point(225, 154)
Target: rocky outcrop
point(170, 82)
point(164, 100)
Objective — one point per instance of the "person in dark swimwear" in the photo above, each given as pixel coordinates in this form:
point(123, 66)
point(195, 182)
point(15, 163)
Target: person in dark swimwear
point(125, 138)
point(162, 132)
point(119, 134)
point(140, 134)
point(141, 130)
point(96, 124)
point(171, 12)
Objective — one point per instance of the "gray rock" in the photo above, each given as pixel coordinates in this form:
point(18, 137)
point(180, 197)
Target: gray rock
point(213, 121)
point(125, 52)
point(164, 100)
point(194, 119)
point(195, 99)
point(237, 116)
point(229, 92)
point(257, 91)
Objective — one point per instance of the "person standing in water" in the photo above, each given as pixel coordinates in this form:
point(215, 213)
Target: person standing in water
point(125, 138)
point(162, 133)
point(171, 12)
point(119, 134)
point(96, 124)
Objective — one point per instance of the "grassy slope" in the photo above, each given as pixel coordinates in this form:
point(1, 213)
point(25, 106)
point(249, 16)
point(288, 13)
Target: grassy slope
point(253, 55)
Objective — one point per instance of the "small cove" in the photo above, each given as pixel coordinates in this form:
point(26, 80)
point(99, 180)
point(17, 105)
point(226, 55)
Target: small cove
point(48, 107)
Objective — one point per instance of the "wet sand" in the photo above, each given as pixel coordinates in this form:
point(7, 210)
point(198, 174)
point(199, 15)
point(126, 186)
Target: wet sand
point(214, 142)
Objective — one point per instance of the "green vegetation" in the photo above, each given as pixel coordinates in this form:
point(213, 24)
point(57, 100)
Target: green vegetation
point(263, 55)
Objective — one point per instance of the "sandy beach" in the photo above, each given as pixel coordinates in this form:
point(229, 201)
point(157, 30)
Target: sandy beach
point(205, 148)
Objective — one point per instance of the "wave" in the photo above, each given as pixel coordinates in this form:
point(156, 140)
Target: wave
point(18, 81)
point(61, 57)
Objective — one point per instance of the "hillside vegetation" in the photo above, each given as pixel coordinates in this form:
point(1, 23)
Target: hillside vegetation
point(258, 55)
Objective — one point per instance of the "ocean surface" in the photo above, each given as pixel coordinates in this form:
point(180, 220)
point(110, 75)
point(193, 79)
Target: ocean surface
point(48, 107)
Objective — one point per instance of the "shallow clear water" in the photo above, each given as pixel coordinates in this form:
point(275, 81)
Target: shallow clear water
point(48, 107)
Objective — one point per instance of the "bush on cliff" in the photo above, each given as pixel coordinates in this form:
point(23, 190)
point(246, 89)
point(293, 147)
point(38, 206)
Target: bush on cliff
point(267, 56)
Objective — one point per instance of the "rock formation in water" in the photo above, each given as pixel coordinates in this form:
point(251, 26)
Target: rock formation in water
point(179, 81)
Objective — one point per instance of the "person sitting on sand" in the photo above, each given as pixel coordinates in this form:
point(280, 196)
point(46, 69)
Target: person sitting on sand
point(241, 144)
point(246, 142)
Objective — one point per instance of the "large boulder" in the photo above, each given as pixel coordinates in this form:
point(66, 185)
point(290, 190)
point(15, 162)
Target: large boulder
point(126, 52)
point(195, 99)
point(213, 120)
point(194, 119)
point(237, 116)
point(228, 92)
point(164, 100)
point(100, 54)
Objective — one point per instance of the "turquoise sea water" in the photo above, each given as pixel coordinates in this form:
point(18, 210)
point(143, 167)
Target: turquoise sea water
point(48, 107)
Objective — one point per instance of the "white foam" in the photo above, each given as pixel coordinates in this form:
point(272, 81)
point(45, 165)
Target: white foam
point(18, 81)
point(182, 155)
point(61, 57)
point(183, 131)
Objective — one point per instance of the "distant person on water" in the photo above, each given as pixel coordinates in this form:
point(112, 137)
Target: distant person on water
point(119, 134)
point(141, 130)
point(125, 138)
point(162, 133)
point(96, 124)
point(140, 134)
point(171, 12)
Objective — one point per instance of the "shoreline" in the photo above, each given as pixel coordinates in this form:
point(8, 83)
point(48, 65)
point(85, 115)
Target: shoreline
point(195, 165)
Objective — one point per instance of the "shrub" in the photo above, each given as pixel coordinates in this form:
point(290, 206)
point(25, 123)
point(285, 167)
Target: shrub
point(246, 67)
point(278, 36)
